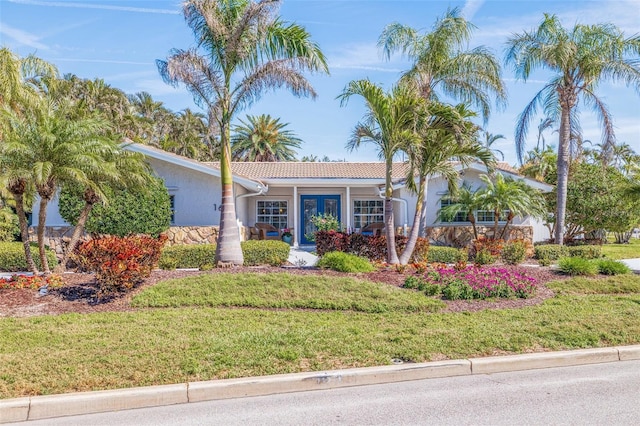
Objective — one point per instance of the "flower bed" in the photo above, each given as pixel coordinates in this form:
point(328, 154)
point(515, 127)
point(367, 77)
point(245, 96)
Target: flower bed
point(32, 282)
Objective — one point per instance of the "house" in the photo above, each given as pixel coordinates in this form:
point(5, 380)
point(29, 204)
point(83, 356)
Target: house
point(288, 194)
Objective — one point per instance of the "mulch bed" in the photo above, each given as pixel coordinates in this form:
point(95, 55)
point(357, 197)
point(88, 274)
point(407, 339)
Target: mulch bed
point(79, 294)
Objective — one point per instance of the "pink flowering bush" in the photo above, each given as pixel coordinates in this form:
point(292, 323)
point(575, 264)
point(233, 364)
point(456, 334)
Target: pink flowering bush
point(474, 282)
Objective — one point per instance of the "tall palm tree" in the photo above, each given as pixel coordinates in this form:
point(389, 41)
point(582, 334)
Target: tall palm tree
point(581, 58)
point(502, 194)
point(447, 136)
point(46, 149)
point(243, 49)
point(263, 138)
point(489, 139)
point(390, 124)
point(439, 62)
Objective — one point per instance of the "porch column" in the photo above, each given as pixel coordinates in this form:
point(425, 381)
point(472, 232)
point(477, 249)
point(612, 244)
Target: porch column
point(348, 209)
point(296, 220)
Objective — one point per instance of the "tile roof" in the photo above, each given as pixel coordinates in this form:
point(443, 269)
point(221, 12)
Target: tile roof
point(308, 170)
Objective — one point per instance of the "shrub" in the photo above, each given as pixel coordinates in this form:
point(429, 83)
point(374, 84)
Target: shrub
point(264, 252)
point(120, 262)
point(12, 258)
point(9, 229)
point(187, 256)
point(440, 254)
point(417, 283)
point(128, 212)
point(612, 267)
point(484, 257)
point(345, 262)
point(331, 240)
point(481, 282)
point(323, 222)
point(577, 266)
point(31, 282)
point(550, 252)
point(585, 252)
point(493, 246)
point(514, 252)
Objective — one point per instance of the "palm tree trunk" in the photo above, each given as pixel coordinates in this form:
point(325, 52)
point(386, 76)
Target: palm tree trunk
point(390, 232)
point(24, 232)
point(415, 228)
point(563, 172)
point(42, 218)
point(75, 237)
point(228, 249)
point(496, 218)
point(472, 219)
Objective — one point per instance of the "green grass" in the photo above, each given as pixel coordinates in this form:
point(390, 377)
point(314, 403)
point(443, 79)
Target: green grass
point(622, 251)
point(73, 352)
point(283, 290)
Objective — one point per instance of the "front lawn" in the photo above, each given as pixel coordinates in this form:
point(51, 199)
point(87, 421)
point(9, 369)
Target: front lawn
point(211, 334)
point(622, 251)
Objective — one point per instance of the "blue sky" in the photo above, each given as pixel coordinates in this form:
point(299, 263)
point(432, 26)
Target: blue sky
point(119, 41)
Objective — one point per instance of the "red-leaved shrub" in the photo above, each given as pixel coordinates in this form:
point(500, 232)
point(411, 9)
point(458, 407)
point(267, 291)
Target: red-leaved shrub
point(370, 247)
point(120, 262)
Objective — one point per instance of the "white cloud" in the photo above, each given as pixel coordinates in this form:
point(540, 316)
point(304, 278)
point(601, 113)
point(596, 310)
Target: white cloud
point(360, 56)
point(470, 8)
point(96, 6)
point(23, 37)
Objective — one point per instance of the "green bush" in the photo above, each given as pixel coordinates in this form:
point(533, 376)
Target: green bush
point(417, 283)
point(514, 252)
point(612, 267)
point(265, 252)
point(345, 262)
point(577, 266)
point(441, 254)
point(187, 256)
point(457, 290)
point(550, 252)
point(9, 229)
point(128, 212)
point(484, 257)
point(12, 258)
point(585, 252)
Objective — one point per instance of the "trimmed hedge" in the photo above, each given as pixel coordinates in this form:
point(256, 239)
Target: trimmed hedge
point(262, 252)
point(12, 258)
point(441, 254)
point(265, 252)
point(555, 252)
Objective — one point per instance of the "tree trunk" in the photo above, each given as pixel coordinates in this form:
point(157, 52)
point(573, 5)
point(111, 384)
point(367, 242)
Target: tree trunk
point(392, 254)
point(75, 237)
point(472, 219)
point(42, 220)
point(24, 231)
point(415, 228)
point(563, 164)
point(496, 218)
point(228, 249)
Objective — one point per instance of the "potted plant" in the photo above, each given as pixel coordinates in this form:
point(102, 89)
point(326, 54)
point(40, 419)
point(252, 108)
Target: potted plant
point(287, 237)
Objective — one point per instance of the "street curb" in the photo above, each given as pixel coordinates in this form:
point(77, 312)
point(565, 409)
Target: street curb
point(50, 406)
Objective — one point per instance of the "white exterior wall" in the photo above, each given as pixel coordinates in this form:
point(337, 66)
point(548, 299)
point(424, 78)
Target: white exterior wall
point(197, 196)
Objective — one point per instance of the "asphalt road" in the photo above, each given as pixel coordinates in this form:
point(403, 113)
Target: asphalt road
point(597, 394)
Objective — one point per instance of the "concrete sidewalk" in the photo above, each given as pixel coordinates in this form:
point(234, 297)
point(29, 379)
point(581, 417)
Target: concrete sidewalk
point(634, 264)
point(301, 256)
point(50, 406)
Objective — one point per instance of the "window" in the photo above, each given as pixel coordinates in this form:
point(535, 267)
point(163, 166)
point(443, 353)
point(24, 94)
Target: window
point(273, 212)
point(172, 207)
point(367, 211)
point(489, 216)
point(459, 217)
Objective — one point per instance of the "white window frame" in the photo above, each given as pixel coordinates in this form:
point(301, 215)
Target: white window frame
point(359, 223)
point(268, 216)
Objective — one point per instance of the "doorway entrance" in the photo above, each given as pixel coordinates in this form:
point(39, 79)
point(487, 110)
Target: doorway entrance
point(313, 205)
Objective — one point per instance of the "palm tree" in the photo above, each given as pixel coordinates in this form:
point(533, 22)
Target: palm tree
point(246, 49)
point(581, 59)
point(463, 200)
point(264, 139)
point(447, 136)
point(502, 194)
point(120, 169)
point(390, 124)
point(46, 149)
point(541, 165)
point(440, 63)
point(490, 139)
point(545, 123)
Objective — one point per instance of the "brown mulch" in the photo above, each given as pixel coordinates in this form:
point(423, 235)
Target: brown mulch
point(79, 294)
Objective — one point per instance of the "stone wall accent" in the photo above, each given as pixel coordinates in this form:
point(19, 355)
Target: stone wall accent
point(462, 236)
point(56, 237)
